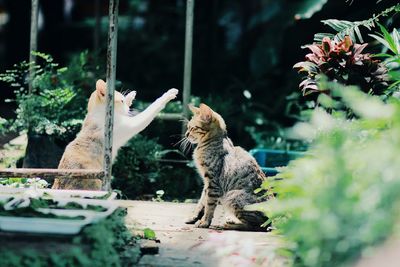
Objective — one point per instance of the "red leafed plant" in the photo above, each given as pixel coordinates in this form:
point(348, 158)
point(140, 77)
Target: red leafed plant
point(342, 62)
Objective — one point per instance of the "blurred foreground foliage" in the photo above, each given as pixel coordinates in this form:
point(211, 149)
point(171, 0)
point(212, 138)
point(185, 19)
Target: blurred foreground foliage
point(341, 199)
point(338, 202)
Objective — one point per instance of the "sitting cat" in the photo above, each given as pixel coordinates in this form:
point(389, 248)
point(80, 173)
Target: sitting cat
point(86, 151)
point(229, 172)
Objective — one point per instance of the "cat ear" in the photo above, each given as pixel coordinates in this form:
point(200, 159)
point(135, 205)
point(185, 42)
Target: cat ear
point(193, 109)
point(101, 88)
point(129, 98)
point(206, 113)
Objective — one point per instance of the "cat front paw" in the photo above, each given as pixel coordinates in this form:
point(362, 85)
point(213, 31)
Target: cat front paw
point(202, 224)
point(191, 220)
point(171, 94)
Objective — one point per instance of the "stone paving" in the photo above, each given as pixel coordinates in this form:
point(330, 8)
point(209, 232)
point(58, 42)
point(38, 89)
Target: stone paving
point(182, 244)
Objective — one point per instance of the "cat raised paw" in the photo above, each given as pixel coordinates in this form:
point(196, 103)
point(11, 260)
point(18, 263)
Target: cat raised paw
point(171, 93)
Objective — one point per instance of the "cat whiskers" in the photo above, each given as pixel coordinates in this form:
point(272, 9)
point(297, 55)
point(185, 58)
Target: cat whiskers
point(184, 121)
point(125, 92)
point(185, 145)
point(180, 142)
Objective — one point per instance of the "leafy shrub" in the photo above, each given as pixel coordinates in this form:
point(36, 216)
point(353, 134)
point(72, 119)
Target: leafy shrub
point(139, 172)
point(341, 199)
point(59, 95)
point(180, 181)
point(339, 58)
point(137, 168)
point(106, 243)
point(342, 62)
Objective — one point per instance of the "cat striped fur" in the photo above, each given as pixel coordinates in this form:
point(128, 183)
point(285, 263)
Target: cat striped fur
point(230, 173)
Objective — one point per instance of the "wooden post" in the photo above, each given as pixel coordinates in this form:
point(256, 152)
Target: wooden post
point(187, 72)
point(33, 40)
point(52, 173)
point(111, 70)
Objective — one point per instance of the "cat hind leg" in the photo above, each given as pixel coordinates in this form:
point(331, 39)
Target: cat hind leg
point(236, 200)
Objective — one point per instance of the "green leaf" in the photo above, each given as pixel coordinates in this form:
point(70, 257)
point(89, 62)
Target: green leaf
point(357, 31)
point(306, 66)
point(394, 75)
point(381, 40)
point(326, 101)
point(258, 190)
point(381, 55)
point(319, 36)
point(389, 39)
point(338, 25)
point(149, 234)
point(396, 39)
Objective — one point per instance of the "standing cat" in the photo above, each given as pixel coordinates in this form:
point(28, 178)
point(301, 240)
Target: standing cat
point(86, 151)
point(229, 172)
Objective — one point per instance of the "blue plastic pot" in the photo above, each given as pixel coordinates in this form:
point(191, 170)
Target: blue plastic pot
point(269, 159)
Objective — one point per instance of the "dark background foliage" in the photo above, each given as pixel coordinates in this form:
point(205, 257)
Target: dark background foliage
point(243, 54)
point(238, 46)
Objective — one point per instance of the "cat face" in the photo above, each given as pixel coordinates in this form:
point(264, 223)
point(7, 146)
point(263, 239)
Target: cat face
point(204, 124)
point(121, 103)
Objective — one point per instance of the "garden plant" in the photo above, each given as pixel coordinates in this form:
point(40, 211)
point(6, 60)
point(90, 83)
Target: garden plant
point(339, 201)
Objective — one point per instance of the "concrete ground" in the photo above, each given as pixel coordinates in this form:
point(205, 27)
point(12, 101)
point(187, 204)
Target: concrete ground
point(184, 245)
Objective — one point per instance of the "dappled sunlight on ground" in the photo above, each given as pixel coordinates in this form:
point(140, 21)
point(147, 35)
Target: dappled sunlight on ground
point(183, 245)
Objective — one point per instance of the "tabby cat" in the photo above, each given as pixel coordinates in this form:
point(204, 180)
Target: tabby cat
point(86, 151)
point(230, 173)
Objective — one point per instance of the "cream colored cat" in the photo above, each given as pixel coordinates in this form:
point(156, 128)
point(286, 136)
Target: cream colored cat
point(86, 151)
